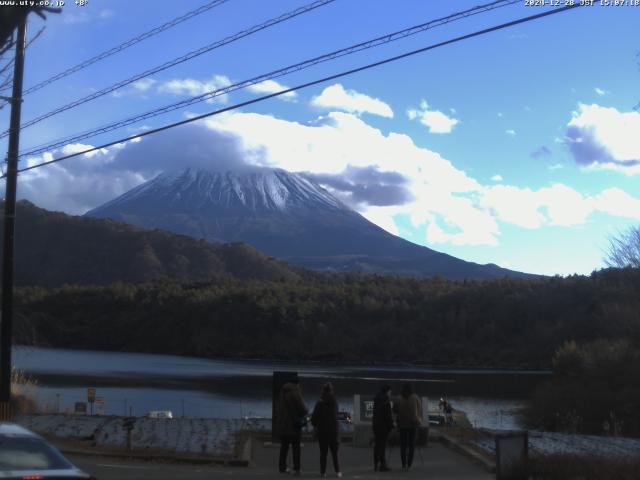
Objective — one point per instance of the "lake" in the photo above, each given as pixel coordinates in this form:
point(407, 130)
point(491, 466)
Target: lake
point(135, 383)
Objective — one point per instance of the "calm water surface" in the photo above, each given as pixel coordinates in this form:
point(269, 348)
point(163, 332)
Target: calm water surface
point(133, 383)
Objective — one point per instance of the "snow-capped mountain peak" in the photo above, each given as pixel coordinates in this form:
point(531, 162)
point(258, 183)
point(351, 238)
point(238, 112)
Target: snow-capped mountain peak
point(257, 190)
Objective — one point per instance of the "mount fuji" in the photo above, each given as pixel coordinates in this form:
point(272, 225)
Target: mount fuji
point(283, 214)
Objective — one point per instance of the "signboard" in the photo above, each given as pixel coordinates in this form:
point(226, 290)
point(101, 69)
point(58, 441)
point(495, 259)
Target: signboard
point(91, 394)
point(80, 408)
point(100, 406)
point(366, 409)
point(511, 450)
point(362, 409)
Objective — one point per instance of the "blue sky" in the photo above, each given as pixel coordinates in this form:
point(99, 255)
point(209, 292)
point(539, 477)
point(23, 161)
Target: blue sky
point(520, 147)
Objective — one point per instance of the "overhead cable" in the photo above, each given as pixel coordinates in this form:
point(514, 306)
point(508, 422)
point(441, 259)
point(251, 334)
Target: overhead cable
point(271, 75)
point(123, 46)
point(176, 61)
point(369, 66)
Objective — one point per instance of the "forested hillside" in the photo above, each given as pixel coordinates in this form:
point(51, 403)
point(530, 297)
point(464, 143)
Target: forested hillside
point(509, 322)
point(54, 248)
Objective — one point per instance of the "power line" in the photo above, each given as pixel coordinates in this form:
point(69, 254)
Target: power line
point(189, 56)
point(10, 62)
point(125, 45)
point(309, 84)
point(274, 74)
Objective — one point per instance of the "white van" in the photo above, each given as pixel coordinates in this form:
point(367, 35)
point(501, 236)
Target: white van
point(160, 414)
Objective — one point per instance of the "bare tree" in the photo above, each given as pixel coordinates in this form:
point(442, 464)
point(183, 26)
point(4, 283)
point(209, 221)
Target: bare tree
point(624, 249)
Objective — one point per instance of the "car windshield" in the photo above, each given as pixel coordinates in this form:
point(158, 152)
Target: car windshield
point(19, 453)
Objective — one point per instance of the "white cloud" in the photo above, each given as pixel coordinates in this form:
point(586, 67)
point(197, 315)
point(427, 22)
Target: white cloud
point(500, 114)
point(517, 206)
point(449, 205)
point(192, 87)
point(336, 97)
point(75, 18)
point(605, 137)
point(600, 91)
point(139, 88)
point(434, 120)
point(383, 217)
point(452, 206)
point(271, 86)
point(510, 132)
point(615, 201)
point(143, 84)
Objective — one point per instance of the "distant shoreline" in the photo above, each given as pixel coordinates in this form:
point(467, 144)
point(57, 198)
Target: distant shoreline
point(458, 368)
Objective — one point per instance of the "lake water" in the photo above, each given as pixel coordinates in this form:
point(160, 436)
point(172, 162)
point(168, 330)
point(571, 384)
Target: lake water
point(132, 383)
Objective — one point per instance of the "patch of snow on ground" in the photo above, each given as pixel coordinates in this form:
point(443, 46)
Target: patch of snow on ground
point(548, 443)
point(206, 436)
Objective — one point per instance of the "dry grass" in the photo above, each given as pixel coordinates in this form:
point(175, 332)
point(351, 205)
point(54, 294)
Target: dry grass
point(23, 389)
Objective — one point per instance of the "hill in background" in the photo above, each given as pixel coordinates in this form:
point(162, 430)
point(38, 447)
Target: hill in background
point(53, 248)
point(284, 214)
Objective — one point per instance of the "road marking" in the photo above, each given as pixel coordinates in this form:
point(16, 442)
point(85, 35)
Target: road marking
point(122, 466)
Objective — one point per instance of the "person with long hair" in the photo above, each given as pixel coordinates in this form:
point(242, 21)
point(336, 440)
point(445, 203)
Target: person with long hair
point(382, 426)
point(290, 419)
point(409, 417)
point(325, 422)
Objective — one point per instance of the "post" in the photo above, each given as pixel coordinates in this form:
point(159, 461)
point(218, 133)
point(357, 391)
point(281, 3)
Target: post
point(6, 329)
point(125, 407)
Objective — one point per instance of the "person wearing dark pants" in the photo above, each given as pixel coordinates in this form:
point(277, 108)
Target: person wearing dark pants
point(382, 426)
point(291, 417)
point(407, 442)
point(409, 417)
point(325, 422)
point(285, 442)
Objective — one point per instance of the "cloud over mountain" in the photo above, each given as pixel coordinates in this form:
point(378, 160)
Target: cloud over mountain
point(384, 176)
point(336, 97)
point(434, 120)
point(604, 137)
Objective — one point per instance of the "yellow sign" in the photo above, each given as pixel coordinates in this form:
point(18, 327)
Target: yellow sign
point(91, 394)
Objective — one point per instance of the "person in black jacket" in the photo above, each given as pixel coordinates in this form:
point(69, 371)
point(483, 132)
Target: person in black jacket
point(289, 421)
point(325, 421)
point(382, 426)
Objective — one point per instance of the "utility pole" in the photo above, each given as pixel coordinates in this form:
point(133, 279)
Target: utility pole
point(6, 329)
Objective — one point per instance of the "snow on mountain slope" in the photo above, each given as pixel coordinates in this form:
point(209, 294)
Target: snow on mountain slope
point(284, 215)
point(257, 190)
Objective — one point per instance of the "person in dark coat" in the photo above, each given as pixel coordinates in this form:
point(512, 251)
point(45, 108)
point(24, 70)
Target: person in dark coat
point(325, 421)
point(409, 410)
point(291, 418)
point(382, 426)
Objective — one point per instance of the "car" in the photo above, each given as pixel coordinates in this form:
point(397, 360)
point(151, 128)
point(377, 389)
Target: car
point(160, 414)
point(344, 417)
point(26, 455)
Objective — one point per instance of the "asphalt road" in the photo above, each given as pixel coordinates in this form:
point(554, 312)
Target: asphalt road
point(436, 461)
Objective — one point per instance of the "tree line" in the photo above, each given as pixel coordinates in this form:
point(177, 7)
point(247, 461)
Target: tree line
point(374, 319)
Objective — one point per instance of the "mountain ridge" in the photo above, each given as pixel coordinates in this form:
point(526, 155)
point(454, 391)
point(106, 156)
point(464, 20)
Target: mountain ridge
point(285, 215)
point(53, 248)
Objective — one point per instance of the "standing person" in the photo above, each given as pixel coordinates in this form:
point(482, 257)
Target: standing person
point(409, 410)
point(292, 414)
point(382, 426)
point(325, 421)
